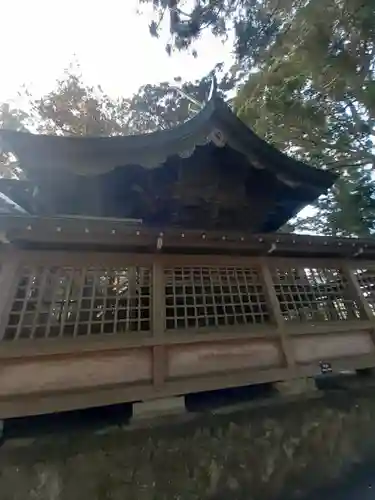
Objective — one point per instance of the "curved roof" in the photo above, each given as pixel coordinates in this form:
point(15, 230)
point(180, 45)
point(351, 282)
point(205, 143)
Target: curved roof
point(97, 155)
point(234, 178)
point(215, 122)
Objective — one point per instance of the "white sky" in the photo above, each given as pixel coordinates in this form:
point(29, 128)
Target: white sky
point(39, 38)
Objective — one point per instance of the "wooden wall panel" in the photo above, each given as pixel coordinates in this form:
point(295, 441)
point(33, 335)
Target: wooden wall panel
point(63, 373)
point(199, 359)
point(322, 347)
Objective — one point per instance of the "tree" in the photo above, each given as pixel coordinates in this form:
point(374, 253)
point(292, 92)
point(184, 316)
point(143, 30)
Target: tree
point(74, 108)
point(255, 22)
point(347, 210)
point(163, 106)
point(313, 96)
point(12, 119)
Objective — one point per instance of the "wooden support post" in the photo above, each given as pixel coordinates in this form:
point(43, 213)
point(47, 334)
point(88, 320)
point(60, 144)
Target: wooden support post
point(357, 295)
point(131, 312)
point(8, 288)
point(276, 314)
point(158, 324)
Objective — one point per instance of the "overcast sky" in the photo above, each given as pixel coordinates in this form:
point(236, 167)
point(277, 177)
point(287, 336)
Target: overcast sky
point(39, 38)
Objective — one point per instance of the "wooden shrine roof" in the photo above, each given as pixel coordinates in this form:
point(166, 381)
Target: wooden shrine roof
point(214, 123)
point(212, 172)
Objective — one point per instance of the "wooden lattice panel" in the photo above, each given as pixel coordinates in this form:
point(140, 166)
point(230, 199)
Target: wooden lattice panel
point(214, 296)
point(314, 294)
point(68, 302)
point(366, 280)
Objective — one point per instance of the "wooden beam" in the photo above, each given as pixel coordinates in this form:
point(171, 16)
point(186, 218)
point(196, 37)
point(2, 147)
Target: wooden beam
point(126, 234)
point(275, 311)
point(158, 324)
point(360, 299)
point(356, 293)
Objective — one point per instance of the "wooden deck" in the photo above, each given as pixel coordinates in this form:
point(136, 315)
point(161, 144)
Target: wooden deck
point(95, 328)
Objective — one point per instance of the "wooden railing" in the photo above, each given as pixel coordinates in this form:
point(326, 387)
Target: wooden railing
point(83, 329)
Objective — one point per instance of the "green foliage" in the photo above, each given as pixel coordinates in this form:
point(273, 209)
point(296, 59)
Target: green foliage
point(187, 25)
point(313, 98)
point(347, 210)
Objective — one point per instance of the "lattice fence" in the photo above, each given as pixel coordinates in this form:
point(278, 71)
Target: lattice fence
point(69, 302)
point(314, 294)
point(214, 296)
point(62, 301)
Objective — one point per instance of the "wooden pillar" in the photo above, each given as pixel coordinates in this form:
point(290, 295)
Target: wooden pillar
point(8, 287)
point(276, 314)
point(158, 324)
point(357, 295)
point(131, 312)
